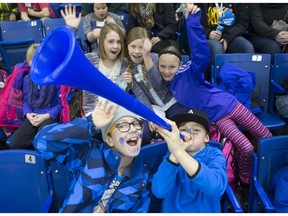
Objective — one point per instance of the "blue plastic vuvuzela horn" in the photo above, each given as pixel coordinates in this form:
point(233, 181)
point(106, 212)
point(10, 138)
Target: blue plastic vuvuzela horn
point(60, 61)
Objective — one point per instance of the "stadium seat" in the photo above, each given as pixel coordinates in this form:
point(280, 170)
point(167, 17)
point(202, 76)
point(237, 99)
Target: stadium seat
point(51, 24)
point(279, 67)
point(153, 154)
point(260, 65)
point(269, 159)
point(278, 74)
point(13, 31)
point(124, 17)
point(14, 52)
point(81, 38)
point(60, 180)
point(77, 5)
point(25, 181)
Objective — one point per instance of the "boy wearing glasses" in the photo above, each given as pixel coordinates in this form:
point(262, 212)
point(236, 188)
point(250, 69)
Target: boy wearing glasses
point(112, 178)
point(193, 176)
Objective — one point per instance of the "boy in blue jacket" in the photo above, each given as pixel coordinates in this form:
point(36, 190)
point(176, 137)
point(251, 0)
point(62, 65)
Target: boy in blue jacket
point(193, 176)
point(109, 177)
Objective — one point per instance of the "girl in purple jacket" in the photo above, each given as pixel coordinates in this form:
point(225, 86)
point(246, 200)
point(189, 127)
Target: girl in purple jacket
point(41, 106)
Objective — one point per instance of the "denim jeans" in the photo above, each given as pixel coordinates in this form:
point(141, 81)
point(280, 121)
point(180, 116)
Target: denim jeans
point(237, 45)
point(265, 45)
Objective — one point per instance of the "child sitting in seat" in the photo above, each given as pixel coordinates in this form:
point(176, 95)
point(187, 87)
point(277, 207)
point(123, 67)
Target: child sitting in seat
point(193, 176)
point(41, 107)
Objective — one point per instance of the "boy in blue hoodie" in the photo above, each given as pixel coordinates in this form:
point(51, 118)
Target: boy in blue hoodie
point(192, 178)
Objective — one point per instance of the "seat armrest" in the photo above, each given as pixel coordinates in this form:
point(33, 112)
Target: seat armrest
point(231, 198)
point(263, 197)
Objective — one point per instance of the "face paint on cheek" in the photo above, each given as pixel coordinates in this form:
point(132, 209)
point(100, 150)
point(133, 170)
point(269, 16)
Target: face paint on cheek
point(121, 140)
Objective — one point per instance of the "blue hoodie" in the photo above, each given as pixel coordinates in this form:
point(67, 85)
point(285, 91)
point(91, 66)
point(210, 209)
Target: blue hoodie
point(199, 194)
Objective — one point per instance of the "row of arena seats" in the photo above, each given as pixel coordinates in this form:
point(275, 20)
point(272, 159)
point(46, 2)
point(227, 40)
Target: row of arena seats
point(269, 71)
point(30, 184)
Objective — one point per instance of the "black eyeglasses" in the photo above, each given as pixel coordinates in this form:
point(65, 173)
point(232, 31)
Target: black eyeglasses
point(125, 126)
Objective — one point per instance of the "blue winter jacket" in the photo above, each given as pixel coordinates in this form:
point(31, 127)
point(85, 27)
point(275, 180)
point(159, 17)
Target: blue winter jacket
point(199, 194)
point(189, 86)
point(238, 82)
point(93, 165)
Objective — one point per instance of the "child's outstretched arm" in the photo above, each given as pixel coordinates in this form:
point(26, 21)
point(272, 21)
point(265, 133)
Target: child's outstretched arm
point(199, 50)
point(146, 51)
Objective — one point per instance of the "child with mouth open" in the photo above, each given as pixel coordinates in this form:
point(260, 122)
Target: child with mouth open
point(109, 58)
point(112, 177)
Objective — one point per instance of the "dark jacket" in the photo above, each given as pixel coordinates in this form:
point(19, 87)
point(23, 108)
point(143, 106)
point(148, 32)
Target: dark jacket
point(262, 16)
point(165, 22)
point(230, 32)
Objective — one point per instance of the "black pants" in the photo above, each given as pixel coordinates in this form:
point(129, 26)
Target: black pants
point(24, 135)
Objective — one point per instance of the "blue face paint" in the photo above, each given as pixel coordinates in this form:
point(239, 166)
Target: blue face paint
point(121, 140)
point(190, 131)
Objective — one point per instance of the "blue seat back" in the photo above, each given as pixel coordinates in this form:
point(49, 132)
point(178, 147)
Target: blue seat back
point(279, 73)
point(271, 154)
point(81, 37)
point(152, 155)
point(77, 5)
point(11, 31)
point(280, 67)
point(51, 24)
point(124, 17)
point(61, 181)
point(257, 63)
point(14, 52)
point(25, 182)
point(269, 159)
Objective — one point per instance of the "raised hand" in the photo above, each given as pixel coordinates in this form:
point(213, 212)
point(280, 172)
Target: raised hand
point(70, 16)
point(110, 20)
point(103, 113)
point(191, 9)
point(146, 47)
